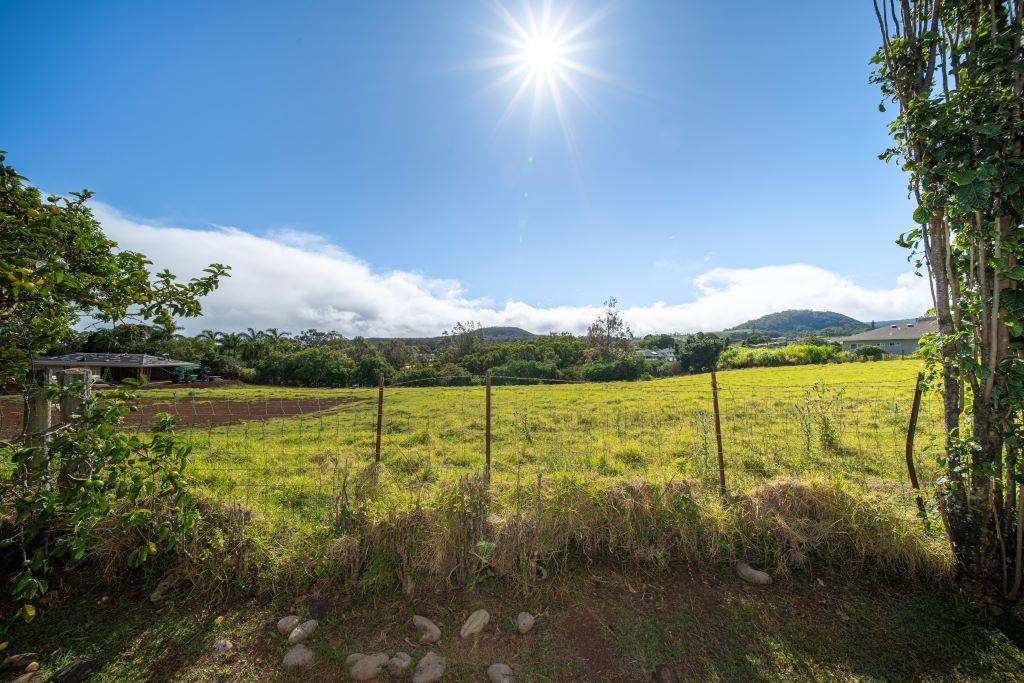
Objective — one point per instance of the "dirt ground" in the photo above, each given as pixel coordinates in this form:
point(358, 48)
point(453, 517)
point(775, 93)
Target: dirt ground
point(197, 411)
point(595, 624)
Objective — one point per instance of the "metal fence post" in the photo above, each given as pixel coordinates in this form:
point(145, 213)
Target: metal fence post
point(380, 417)
point(487, 429)
point(718, 433)
point(915, 408)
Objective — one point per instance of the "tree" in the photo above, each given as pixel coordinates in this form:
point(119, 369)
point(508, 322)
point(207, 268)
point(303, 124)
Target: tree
point(609, 336)
point(395, 352)
point(955, 69)
point(699, 352)
point(461, 340)
point(56, 265)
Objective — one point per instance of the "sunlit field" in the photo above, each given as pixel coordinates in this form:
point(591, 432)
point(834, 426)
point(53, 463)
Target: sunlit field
point(844, 421)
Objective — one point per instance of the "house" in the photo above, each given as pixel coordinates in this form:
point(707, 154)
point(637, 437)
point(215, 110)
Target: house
point(897, 340)
point(659, 356)
point(114, 367)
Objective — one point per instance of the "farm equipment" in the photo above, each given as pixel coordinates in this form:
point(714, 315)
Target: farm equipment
point(191, 373)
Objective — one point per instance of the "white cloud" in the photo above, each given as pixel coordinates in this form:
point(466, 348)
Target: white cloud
point(294, 280)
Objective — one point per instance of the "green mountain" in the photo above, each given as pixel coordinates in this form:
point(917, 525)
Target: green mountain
point(794, 323)
point(490, 334)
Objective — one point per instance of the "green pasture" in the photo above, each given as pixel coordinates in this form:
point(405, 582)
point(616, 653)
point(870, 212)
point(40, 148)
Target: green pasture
point(846, 421)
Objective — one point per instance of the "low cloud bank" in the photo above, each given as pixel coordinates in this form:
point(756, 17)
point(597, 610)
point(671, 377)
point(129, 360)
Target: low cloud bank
point(293, 280)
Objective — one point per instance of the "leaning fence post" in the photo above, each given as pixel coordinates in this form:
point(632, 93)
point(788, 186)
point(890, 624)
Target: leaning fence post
point(380, 417)
point(487, 428)
point(915, 408)
point(718, 433)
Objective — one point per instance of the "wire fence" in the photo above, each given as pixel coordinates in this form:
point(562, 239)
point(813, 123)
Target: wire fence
point(301, 454)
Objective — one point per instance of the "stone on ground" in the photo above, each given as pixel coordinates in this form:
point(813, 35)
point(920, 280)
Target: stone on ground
point(499, 673)
point(399, 665)
point(525, 621)
point(302, 631)
point(222, 645)
point(751, 575)
point(298, 656)
point(666, 673)
point(19, 661)
point(368, 667)
point(475, 623)
point(430, 669)
point(75, 672)
point(431, 632)
point(286, 625)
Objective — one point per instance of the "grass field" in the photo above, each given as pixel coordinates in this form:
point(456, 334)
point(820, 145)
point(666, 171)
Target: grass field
point(846, 422)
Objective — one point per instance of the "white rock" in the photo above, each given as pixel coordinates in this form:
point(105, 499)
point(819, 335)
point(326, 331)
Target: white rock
point(499, 673)
point(399, 665)
point(368, 667)
point(525, 621)
point(166, 585)
point(431, 633)
point(353, 658)
point(222, 645)
point(751, 575)
point(430, 669)
point(302, 631)
point(475, 623)
point(298, 656)
point(286, 625)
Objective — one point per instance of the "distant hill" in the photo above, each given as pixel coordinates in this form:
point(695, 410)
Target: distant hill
point(796, 323)
point(490, 334)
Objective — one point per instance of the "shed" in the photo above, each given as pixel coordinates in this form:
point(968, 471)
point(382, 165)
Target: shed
point(115, 367)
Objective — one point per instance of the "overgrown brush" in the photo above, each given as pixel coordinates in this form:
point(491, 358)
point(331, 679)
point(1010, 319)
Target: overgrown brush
point(470, 531)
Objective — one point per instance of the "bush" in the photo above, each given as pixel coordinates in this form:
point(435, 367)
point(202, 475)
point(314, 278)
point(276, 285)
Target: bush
point(95, 484)
point(447, 375)
point(794, 354)
point(869, 353)
point(626, 368)
point(523, 372)
point(318, 366)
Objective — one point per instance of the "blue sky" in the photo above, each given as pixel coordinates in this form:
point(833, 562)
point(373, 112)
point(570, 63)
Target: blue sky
point(724, 142)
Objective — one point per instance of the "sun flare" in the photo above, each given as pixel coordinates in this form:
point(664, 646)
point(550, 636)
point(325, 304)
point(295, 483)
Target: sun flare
point(544, 59)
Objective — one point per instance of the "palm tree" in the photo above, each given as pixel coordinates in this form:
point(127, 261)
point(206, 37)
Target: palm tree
point(229, 343)
point(208, 334)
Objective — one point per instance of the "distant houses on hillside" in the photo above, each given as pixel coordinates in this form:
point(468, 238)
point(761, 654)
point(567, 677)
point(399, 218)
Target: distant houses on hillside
point(658, 356)
point(899, 340)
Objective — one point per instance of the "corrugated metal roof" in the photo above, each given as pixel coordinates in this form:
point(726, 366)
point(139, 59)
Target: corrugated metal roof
point(912, 331)
point(110, 360)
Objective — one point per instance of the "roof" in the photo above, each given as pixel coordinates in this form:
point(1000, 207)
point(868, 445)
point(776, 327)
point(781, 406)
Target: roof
point(110, 360)
point(908, 331)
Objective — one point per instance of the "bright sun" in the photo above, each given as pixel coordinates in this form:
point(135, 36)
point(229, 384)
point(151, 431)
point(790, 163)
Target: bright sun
point(544, 58)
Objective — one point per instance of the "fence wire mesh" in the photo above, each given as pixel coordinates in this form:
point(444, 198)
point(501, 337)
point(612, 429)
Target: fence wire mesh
point(293, 455)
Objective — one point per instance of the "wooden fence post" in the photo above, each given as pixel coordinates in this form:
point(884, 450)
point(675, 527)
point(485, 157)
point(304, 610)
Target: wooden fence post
point(38, 420)
point(915, 408)
point(487, 429)
point(380, 417)
point(718, 433)
point(72, 397)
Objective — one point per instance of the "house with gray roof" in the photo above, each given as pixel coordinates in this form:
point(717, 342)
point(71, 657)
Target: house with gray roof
point(115, 366)
point(898, 340)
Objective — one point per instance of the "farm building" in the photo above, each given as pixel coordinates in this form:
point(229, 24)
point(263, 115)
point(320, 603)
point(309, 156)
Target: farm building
point(899, 340)
point(659, 356)
point(114, 367)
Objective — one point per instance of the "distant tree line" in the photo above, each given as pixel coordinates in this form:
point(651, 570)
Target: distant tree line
point(460, 356)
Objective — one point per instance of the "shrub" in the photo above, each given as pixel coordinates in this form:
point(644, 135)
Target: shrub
point(869, 353)
point(95, 484)
point(523, 372)
point(794, 354)
point(318, 366)
point(626, 368)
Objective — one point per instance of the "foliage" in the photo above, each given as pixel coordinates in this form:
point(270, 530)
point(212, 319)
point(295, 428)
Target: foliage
point(622, 368)
point(699, 352)
point(609, 336)
point(93, 474)
point(794, 354)
point(869, 353)
point(317, 366)
point(955, 69)
point(56, 265)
